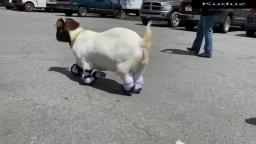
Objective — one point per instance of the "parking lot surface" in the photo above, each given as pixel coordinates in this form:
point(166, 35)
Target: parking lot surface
point(187, 98)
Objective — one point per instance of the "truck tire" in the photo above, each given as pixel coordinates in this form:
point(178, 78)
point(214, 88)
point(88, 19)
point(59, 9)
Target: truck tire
point(82, 11)
point(68, 13)
point(249, 33)
point(224, 28)
point(29, 7)
point(189, 26)
point(20, 8)
point(144, 21)
point(103, 15)
point(117, 14)
point(8, 7)
point(174, 20)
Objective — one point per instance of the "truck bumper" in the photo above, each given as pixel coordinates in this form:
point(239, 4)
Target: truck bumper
point(250, 27)
point(161, 15)
point(64, 7)
point(189, 18)
point(7, 4)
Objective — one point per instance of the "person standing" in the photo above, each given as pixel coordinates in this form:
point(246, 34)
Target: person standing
point(205, 31)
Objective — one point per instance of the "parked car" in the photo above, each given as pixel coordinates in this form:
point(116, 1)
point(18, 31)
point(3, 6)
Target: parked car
point(8, 4)
point(251, 23)
point(162, 10)
point(230, 17)
point(82, 7)
point(131, 6)
point(31, 5)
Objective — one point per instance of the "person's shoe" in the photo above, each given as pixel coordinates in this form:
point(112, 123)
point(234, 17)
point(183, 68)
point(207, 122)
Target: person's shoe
point(205, 55)
point(192, 50)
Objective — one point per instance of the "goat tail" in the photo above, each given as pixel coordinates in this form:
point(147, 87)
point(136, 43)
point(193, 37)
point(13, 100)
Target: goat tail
point(148, 36)
point(147, 43)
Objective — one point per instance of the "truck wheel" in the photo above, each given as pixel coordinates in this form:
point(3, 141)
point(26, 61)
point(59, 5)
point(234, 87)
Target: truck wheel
point(224, 28)
point(29, 7)
point(249, 33)
point(174, 20)
point(19, 8)
point(103, 15)
point(82, 11)
point(68, 13)
point(8, 7)
point(144, 21)
point(117, 14)
point(189, 26)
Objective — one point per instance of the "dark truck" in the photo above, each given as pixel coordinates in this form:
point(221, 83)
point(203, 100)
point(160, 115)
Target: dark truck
point(229, 17)
point(8, 4)
point(161, 10)
point(82, 7)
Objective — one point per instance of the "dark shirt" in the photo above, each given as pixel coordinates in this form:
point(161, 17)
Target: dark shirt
point(209, 12)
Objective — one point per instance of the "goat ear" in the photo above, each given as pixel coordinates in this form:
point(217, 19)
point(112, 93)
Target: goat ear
point(71, 24)
point(60, 23)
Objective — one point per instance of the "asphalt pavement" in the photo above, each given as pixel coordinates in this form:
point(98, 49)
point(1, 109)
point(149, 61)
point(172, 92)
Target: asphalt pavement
point(187, 98)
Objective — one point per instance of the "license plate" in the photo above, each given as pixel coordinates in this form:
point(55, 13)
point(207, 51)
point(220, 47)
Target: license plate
point(196, 17)
point(188, 8)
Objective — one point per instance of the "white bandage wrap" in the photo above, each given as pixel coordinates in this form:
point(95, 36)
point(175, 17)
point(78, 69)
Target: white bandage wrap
point(128, 82)
point(138, 81)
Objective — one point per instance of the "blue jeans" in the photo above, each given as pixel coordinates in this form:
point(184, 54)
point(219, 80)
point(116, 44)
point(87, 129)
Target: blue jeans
point(204, 31)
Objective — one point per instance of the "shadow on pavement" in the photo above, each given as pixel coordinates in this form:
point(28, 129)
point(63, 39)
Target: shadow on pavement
point(251, 121)
point(177, 51)
point(104, 84)
point(244, 35)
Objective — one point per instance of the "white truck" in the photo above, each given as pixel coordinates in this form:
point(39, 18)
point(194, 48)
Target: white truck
point(131, 6)
point(31, 5)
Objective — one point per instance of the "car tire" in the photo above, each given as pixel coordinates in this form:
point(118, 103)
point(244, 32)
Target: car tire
point(82, 11)
point(224, 28)
point(103, 15)
point(19, 8)
point(250, 33)
point(68, 13)
point(117, 14)
point(189, 26)
point(174, 20)
point(144, 21)
point(8, 7)
point(29, 7)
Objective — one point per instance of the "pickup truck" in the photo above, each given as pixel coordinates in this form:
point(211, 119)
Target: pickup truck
point(31, 5)
point(83, 7)
point(229, 17)
point(131, 6)
point(161, 10)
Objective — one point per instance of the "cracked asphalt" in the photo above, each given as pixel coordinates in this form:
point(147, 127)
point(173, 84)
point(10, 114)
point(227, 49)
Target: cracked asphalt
point(187, 98)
